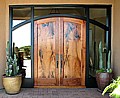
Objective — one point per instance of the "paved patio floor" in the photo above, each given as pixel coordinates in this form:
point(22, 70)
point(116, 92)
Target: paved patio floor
point(55, 93)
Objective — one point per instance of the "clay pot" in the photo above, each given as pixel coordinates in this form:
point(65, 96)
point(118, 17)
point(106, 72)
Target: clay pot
point(12, 85)
point(103, 79)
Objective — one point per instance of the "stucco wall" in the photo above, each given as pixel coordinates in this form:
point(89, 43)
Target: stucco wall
point(59, 1)
point(2, 39)
point(116, 38)
point(4, 22)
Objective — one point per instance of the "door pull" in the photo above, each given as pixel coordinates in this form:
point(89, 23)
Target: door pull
point(61, 64)
point(57, 64)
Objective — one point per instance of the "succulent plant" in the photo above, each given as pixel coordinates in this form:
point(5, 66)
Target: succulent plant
point(11, 69)
point(109, 63)
point(102, 68)
point(100, 56)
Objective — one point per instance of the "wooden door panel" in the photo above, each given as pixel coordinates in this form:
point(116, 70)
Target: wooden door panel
point(46, 58)
point(46, 48)
point(59, 52)
point(73, 71)
point(71, 82)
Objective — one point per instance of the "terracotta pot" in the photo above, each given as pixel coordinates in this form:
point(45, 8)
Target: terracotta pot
point(103, 79)
point(12, 85)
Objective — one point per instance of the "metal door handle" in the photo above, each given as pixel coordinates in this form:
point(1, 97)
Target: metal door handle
point(57, 64)
point(61, 64)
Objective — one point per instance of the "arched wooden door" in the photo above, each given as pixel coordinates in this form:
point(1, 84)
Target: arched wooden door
point(59, 52)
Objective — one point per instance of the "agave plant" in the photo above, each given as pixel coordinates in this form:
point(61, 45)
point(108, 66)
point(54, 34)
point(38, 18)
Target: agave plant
point(113, 88)
point(12, 68)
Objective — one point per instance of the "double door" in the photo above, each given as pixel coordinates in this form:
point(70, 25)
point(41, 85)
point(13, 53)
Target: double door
point(59, 52)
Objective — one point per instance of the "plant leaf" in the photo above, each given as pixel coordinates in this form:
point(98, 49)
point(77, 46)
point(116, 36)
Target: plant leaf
point(111, 86)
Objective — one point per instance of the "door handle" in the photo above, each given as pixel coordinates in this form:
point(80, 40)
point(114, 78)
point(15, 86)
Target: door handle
point(61, 61)
point(57, 60)
point(57, 64)
point(61, 64)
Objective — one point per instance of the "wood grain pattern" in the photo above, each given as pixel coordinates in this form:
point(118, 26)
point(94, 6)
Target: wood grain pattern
point(74, 42)
point(45, 70)
point(72, 82)
point(60, 50)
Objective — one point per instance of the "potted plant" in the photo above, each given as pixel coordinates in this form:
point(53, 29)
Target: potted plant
point(113, 88)
point(104, 73)
point(11, 79)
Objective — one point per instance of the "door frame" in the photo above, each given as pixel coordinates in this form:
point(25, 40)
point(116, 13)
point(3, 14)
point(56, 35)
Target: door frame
point(29, 82)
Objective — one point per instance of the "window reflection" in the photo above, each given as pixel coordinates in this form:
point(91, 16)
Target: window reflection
point(96, 34)
point(15, 22)
point(98, 15)
point(38, 11)
point(22, 39)
point(21, 14)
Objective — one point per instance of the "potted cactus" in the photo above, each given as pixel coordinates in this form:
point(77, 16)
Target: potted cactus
point(104, 73)
point(11, 79)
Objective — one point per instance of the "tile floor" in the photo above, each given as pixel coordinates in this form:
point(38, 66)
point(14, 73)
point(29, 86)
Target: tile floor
point(55, 93)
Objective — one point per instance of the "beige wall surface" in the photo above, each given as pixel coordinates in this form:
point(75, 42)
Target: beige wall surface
point(59, 1)
point(2, 39)
point(4, 22)
point(116, 38)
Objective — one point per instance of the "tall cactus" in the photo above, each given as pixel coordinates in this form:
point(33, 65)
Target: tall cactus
point(100, 56)
point(101, 66)
point(12, 68)
point(15, 67)
point(108, 61)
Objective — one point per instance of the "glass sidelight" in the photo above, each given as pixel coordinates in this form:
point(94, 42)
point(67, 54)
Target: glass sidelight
point(60, 49)
point(22, 39)
point(96, 34)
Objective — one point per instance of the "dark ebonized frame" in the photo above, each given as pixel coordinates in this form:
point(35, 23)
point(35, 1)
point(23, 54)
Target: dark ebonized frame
point(29, 82)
